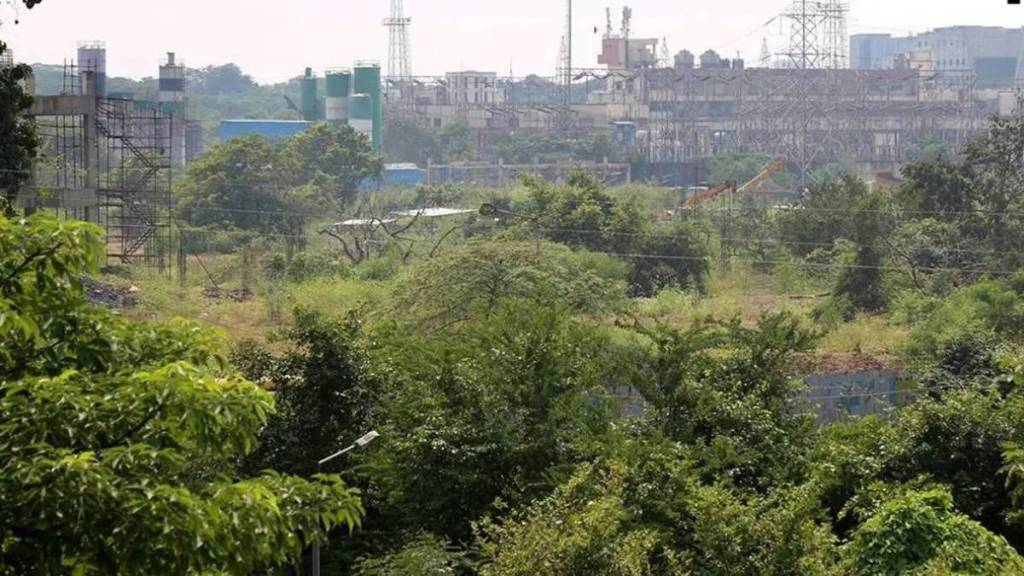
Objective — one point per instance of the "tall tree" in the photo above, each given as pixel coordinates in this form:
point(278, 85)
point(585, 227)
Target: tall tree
point(18, 142)
point(241, 184)
point(335, 160)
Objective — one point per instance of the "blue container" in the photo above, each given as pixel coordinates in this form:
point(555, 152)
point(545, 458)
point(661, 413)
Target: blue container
point(622, 133)
point(269, 129)
point(403, 175)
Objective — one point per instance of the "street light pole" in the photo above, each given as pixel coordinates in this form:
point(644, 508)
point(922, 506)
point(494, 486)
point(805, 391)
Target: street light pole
point(362, 442)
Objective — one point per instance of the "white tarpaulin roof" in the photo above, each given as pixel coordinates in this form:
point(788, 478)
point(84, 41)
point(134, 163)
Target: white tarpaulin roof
point(433, 212)
point(363, 222)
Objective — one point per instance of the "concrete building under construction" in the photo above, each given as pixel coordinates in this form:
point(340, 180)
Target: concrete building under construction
point(109, 158)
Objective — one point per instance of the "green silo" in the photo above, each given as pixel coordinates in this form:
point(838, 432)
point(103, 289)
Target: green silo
point(336, 104)
point(310, 102)
point(367, 81)
point(361, 114)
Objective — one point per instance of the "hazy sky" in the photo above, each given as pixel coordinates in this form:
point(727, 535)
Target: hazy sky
point(275, 39)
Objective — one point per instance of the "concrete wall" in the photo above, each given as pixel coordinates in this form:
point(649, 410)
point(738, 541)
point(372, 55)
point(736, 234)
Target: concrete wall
point(834, 397)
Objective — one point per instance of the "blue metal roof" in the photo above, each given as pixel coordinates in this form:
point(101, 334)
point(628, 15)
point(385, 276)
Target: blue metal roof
point(270, 129)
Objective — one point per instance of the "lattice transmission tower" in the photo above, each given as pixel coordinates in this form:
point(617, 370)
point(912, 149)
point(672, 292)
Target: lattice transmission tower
point(564, 71)
point(817, 34)
point(836, 33)
point(399, 50)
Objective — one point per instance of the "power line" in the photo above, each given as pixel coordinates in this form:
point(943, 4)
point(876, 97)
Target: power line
point(752, 240)
point(673, 257)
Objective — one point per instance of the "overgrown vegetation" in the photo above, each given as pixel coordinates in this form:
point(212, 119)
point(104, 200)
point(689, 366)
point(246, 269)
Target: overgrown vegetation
point(566, 378)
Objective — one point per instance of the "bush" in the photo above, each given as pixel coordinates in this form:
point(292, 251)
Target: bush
point(305, 266)
point(990, 309)
point(475, 277)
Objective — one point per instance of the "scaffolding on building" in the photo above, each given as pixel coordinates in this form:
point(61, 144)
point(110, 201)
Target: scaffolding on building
point(107, 161)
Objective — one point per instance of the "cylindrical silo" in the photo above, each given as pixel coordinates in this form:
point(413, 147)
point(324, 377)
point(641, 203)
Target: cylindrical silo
point(310, 100)
point(171, 89)
point(361, 114)
point(338, 84)
point(367, 81)
point(92, 57)
point(173, 99)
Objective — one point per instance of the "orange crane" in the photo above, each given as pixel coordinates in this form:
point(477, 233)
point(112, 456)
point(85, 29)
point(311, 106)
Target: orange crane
point(719, 189)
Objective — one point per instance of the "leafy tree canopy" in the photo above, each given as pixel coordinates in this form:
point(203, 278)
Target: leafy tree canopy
point(582, 214)
point(18, 142)
point(251, 184)
point(224, 79)
point(920, 533)
point(117, 439)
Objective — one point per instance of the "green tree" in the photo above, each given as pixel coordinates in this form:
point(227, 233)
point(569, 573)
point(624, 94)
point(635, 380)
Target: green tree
point(939, 187)
point(241, 184)
point(456, 142)
point(644, 511)
point(824, 217)
point(324, 392)
point(18, 142)
point(472, 280)
point(860, 283)
point(425, 555)
point(221, 80)
point(920, 533)
point(582, 214)
point(585, 527)
point(500, 410)
point(954, 437)
point(725, 390)
point(669, 257)
point(406, 140)
point(117, 440)
point(334, 159)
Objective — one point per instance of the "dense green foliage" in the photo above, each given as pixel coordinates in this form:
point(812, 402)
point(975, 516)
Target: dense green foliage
point(582, 214)
point(117, 440)
point(406, 140)
point(18, 143)
point(254, 185)
point(919, 533)
point(550, 395)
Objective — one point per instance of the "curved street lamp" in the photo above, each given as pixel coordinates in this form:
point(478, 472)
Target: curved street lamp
point(361, 443)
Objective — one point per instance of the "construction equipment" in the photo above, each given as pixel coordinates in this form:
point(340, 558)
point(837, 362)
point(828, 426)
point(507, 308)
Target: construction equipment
point(719, 189)
point(712, 192)
point(768, 171)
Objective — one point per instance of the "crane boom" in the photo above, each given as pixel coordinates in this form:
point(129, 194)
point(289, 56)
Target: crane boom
point(721, 188)
point(768, 171)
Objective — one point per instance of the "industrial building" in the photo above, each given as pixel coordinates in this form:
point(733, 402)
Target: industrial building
point(350, 96)
point(993, 54)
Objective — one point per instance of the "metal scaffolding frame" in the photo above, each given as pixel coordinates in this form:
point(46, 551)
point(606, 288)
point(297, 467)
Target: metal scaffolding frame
point(107, 161)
